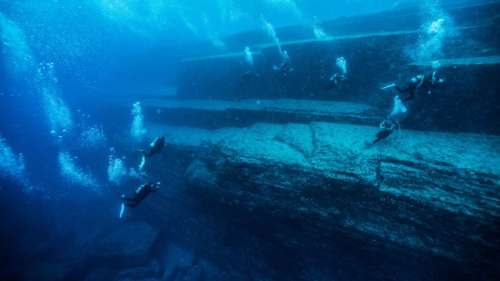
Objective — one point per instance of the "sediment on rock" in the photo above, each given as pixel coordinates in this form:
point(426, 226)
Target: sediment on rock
point(426, 192)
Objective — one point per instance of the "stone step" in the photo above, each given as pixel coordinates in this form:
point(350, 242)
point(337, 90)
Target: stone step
point(311, 40)
point(330, 39)
point(423, 192)
point(391, 23)
point(206, 113)
point(487, 60)
point(230, 55)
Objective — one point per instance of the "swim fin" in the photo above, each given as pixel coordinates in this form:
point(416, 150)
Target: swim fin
point(392, 85)
point(122, 210)
point(143, 162)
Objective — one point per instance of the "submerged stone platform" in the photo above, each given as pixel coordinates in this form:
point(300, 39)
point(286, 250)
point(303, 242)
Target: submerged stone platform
point(380, 48)
point(223, 113)
point(417, 193)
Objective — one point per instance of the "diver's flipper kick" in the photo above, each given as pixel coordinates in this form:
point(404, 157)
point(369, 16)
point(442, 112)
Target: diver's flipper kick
point(419, 83)
point(144, 190)
point(391, 123)
point(155, 148)
point(134, 199)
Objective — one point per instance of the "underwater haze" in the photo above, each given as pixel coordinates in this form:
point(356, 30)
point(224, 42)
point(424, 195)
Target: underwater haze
point(264, 140)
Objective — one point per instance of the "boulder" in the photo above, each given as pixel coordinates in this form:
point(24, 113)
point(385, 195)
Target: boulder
point(140, 273)
point(178, 260)
point(203, 113)
point(419, 193)
point(101, 274)
point(127, 243)
point(49, 271)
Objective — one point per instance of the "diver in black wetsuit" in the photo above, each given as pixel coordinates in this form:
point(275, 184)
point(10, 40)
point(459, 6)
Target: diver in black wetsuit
point(391, 123)
point(340, 76)
point(424, 82)
point(249, 76)
point(140, 194)
point(387, 127)
point(154, 148)
point(335, 81)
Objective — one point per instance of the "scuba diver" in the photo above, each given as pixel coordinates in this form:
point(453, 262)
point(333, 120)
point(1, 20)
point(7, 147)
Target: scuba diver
point(335, 81)
point(249, 76)
point(138, 196)
point(338, 78)
point(391, 123)
point(424, 82)
point(285, 66)
point(155, 147)
point(387, 127)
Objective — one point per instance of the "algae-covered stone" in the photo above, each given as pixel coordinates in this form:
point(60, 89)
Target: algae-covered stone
point(421, 191)
point(127, 242)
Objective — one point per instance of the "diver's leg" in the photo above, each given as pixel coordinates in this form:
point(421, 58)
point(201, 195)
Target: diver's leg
point(401, 90)
point(409, 97)
point(377, 139)
point(129, 201)
point(132, 203)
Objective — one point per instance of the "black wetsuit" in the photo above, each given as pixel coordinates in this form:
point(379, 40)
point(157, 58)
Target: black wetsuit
point(386, 129)
point(425, 83)
point(156, 147)
point(382, 134)
point(335, 81)
point(410, 89)
point(140, 194)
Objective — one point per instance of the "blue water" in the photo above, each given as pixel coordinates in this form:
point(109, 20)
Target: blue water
point(75, 81)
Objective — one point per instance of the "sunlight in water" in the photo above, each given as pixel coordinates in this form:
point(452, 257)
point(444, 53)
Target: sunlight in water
point(290, 6)
point(11, 164)
point(137, 130)
point(248, 56)
point(319, 33)
point(398, 109)
point(58, 114)
point(21, 64)
point(93, 137)
point(118, 173)
point(436, 26)
point(116, 170)
point(269, 28)
point(74, 174)
point(15, 47)
point(341, 63)
point(436, 29)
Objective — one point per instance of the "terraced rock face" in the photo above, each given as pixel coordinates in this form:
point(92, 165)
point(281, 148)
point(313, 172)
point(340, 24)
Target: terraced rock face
point(431, 193)
point(223, 113)
point(380, 49)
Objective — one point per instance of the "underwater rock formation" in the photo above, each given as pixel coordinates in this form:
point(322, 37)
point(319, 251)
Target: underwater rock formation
point(140, 273)
point(222, 113)
point(429, 193)
point(128, 243)
point(378, 48)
